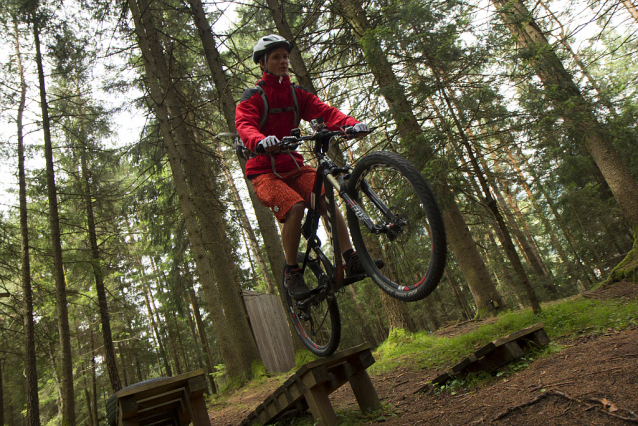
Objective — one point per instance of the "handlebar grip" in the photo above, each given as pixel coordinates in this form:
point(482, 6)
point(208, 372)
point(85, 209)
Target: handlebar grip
point(259, 149)
point(349, 130)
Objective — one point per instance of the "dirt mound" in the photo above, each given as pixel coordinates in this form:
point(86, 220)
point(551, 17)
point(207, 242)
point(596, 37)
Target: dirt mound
point(624, 288)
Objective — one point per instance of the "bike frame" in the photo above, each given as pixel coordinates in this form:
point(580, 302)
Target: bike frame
point(335, 177)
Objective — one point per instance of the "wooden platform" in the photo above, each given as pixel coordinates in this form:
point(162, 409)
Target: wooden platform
point(496, 354)
point(312, 383)
point(174, 401)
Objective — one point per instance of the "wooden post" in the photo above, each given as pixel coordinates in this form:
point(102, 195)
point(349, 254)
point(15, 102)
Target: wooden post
point(195, 389)
point(320, 406)
point(128, 411)
point(364, 391)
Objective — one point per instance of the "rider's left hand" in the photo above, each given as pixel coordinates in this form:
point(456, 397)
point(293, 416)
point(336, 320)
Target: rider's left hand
point(362, 129)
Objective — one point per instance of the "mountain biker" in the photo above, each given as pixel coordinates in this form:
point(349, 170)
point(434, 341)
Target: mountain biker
point(281, 181)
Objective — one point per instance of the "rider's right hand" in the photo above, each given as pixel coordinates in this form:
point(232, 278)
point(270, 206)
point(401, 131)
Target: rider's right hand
point(268, 144)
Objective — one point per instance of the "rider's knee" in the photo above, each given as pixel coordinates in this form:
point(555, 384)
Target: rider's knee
point(296, 210)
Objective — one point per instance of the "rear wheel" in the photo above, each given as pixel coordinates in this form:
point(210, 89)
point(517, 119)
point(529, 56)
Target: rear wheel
point(412, 243)
point(316, 319)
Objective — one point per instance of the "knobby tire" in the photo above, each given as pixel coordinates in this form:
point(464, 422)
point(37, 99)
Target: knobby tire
point(325, 340)
point(414, 254)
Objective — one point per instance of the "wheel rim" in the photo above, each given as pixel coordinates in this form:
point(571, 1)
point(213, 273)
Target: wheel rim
point(315, 323)
point(407, 248)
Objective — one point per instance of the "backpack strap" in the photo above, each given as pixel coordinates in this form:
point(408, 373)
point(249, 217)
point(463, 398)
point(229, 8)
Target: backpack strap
point(267, 111)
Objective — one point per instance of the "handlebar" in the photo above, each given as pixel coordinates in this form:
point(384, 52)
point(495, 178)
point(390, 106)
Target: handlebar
point(290, 143)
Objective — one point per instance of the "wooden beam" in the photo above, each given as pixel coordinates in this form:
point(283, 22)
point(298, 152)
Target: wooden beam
point(320, 406)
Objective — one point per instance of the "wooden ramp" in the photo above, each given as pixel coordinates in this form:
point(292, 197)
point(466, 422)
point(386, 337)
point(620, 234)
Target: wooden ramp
point(173, 401)
point(312, 384)
point(496, 354)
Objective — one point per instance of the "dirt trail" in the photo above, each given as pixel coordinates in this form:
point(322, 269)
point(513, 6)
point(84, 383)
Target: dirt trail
point(594, 381)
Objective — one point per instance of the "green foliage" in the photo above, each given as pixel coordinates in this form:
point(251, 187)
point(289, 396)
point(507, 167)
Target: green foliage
point(259, 370)
point(303, 356)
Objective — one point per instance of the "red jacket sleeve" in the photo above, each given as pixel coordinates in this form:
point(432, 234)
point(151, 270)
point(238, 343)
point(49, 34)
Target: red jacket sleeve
point(311, 108)
point(247, 116)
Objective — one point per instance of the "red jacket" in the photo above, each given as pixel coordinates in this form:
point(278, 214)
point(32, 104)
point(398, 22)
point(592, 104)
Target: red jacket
point(279, 95)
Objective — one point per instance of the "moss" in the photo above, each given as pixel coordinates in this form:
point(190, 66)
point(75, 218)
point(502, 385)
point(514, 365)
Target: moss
point(628, 268)
point(425, 350)
point(303, 356)
point(259, 370)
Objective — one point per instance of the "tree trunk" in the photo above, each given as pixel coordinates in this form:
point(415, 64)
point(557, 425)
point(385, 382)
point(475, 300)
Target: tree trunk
point(564, 40)
point(525, 245)
point(465, 312)
point(539, 211)
point(182, 350)
point(581, 261)
point(576, 111)
point(123, 364)
point(474, 271)
point(490, 203)
point(196, 181)
point(367, 332)
point(1, 394)
point(68, 395)
point(164, 324)
point(253, 244)
point(96, 263)
point(151, 316)
point(87, 394)
point(208, 358)
point(93, 375)
point(631, 8)
point(30, 366)
point(193, 229)
point(266, 220)
point(296, 60)
point(198, 347)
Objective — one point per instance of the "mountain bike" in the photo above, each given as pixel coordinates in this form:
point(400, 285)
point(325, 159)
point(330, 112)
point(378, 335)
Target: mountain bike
point(395, 225)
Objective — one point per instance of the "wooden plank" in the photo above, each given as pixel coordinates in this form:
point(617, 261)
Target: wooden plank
point(198, 412)
point(335, 358)
point(177, 403)
point(502, 340)
point(196, 386)
point(315, 376)
point(159, 386)
point(499, 357)
point(154, 400)
point(127, 407)
point(463, 364)
point(157, 416)
point(317, 380)
point(320, 406)
point(539, 338)
point(163, 422)
point(270, 328)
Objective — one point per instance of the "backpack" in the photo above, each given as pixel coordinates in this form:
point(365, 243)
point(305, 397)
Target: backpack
point(238, 145)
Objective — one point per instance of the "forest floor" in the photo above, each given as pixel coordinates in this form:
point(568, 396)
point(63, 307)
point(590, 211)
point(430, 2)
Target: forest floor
point(591, 379)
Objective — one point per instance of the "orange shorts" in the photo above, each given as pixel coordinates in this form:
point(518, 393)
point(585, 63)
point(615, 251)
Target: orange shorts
point(281, 194)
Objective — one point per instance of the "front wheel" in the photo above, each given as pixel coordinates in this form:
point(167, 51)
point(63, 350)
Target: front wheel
point(317, 320)
point(411, 235)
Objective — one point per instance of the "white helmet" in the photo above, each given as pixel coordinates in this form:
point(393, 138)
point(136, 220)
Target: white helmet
point(267, 43)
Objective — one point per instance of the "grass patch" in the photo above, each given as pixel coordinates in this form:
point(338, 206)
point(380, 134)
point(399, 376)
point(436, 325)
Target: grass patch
point(424, 350)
